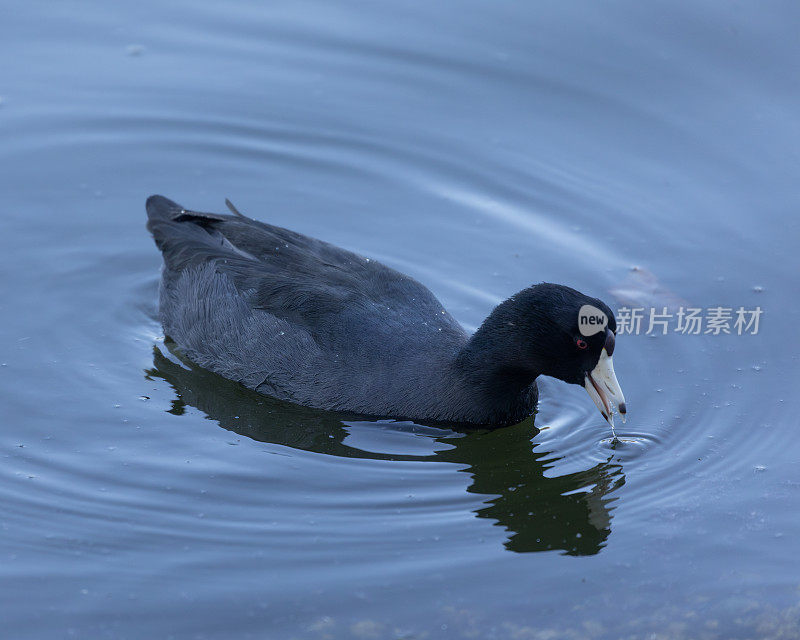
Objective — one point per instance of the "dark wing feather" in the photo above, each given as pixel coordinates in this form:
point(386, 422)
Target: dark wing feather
point(287, 274)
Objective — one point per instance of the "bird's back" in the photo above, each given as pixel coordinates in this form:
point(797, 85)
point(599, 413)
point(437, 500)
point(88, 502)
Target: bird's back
point(296, 317)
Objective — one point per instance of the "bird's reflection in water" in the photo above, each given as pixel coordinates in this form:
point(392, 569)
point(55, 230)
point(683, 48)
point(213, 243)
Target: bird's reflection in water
point(571, 513)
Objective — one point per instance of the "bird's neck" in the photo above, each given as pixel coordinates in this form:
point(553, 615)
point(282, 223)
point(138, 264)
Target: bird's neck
point(490, 369)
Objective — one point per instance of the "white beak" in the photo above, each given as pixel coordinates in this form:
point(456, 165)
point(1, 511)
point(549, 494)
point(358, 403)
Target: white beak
point(602, 386)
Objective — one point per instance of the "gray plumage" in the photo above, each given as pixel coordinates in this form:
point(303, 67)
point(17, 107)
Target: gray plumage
point(302, 320)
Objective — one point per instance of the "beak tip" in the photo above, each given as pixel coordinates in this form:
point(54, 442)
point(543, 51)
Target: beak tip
point(622, 408)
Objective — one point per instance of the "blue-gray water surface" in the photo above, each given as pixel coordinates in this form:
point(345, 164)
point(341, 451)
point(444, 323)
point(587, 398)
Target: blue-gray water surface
point(644, 153)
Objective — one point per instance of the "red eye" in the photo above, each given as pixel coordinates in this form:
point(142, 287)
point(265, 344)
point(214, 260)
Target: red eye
point(581, 343)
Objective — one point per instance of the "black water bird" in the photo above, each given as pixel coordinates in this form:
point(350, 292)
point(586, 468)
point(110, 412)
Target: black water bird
point(302, 320)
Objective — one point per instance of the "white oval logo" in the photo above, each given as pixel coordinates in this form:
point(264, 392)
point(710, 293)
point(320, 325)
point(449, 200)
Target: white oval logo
point(591, 320)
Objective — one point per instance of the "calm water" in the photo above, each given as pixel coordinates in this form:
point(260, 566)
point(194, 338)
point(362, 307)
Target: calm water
point(480, 147)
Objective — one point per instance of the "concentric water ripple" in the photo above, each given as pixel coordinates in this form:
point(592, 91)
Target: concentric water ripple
point(573, 438)
point(479, 151)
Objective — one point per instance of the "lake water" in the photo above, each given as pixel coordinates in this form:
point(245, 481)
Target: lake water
point(645, 153)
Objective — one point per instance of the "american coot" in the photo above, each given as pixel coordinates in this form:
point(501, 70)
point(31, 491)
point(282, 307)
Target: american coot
point(303, 320)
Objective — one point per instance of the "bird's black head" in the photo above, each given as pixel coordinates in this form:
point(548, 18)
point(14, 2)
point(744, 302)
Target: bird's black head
point(549, 314)
point(549, 329)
